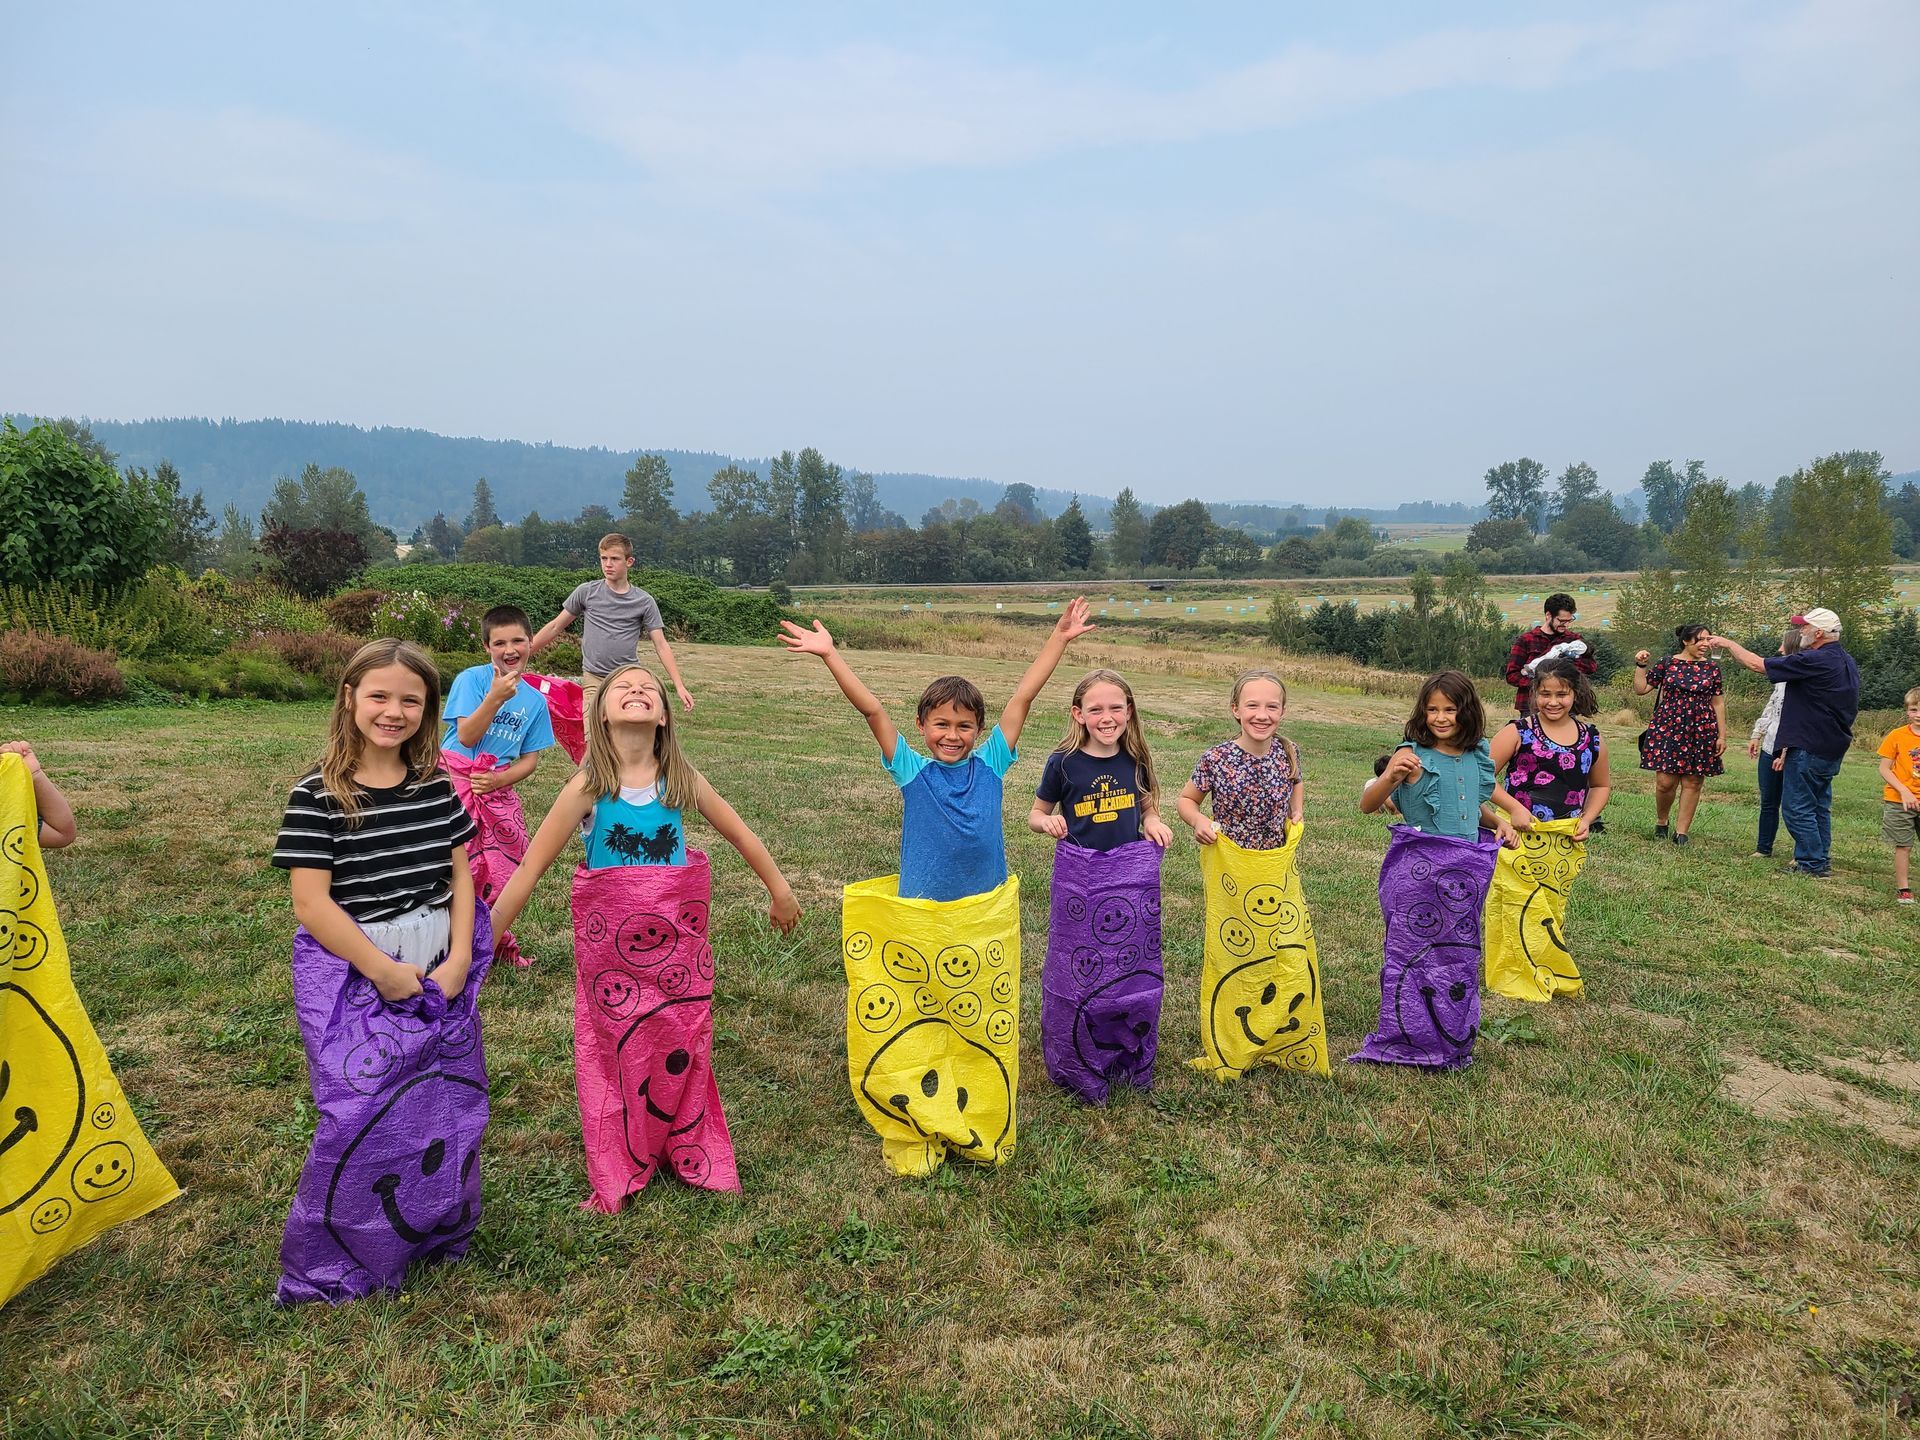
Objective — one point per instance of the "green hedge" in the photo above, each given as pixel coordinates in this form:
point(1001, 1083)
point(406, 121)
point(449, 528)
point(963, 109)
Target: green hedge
point(691, 607)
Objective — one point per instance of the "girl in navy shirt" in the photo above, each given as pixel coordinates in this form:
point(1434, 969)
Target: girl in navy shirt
point(1098, 789)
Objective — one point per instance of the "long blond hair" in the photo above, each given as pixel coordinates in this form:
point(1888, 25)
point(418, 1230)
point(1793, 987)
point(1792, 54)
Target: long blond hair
point(421, 753)
point(1133, 740)
point(1246, 678)
point(679, 781)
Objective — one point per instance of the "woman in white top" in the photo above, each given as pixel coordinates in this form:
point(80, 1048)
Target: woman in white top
point(1761, 748)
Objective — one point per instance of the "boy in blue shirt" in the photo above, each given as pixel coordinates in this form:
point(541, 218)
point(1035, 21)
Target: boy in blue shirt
point(497, 725)
point(951, 841)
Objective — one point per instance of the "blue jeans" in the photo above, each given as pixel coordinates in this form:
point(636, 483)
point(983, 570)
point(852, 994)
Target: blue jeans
point(1770, 782)
point(1806, 802)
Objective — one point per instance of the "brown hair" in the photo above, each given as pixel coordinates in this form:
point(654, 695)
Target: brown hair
point(1470, 716)
point(1563, 668)
point(953, 690)
point(614, 540)
point(679, 781)
point(1133, 740)
point(502, 615)
point(421, 753)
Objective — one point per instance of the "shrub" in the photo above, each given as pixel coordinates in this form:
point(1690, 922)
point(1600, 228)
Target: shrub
point(352, 610)
point(243, 608)
point(67, 517)
point(251, 670)
point(36, 666)
point(312, 563)
point(160, 615)
point(324, 653)
point(439, 623)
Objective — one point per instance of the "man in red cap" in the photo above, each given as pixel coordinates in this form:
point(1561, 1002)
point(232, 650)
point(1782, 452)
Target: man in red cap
point(1816, 727)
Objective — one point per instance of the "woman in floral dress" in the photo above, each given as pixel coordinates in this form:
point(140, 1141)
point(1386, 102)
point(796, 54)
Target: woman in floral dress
point(1683, 743)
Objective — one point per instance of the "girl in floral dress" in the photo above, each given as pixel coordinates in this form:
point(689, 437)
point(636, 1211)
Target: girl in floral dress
point(1555, 761)
point(1683, 743)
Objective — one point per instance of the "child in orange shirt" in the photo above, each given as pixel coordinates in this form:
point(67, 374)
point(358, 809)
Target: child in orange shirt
point(1900, 768)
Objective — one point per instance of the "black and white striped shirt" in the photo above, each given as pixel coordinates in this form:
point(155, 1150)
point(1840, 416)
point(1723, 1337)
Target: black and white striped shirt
point(398, 858)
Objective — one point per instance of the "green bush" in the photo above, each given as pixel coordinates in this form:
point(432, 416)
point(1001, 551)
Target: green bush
point(36, 666)
point(66, 517)
point(438, 623)
point(245, 608)
point(252, 670)
point(159, 615)
point(352, 610)
point(324, 653)
point(692, 608)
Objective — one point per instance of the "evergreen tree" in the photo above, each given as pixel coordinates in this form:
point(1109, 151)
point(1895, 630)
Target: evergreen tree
point(1073, 537)
point(1129, 543)
point(649, 490)
point(189, 526)
point(483, 514)
point(1702, 546)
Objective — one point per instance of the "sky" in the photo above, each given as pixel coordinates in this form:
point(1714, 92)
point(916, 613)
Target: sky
point(1257, 252)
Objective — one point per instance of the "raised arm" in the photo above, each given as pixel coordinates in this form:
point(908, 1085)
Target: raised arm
point(549, 633)
point(469, 728)
point(1073, 624)
point(801, 641)
point(1640, 684)
point(570, 807)
point(1404, 765)
point(1746, 657)
point(785, 913)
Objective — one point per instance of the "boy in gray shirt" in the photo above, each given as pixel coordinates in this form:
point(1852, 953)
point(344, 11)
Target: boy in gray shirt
point(617, 615)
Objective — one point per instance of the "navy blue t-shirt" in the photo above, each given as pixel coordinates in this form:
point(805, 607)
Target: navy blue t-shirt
point(1823, 696)
point(1101, 798)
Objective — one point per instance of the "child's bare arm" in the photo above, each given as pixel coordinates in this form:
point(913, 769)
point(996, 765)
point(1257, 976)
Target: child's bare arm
point(315, 908)
point(1069, 627)
point(451, 977)
point(785, 913)
point(801, 641)
point(1404, 765)
point(549, 633)
point(1044, 819)
point(58, 828)
point(490, 780)
point(667, 663)
point(570, 807)
point(1188, 806)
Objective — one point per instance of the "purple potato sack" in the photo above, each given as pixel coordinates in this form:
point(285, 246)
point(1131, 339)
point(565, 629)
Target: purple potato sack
point(394, 1173)
point(1101, 986)
point(1433, 890)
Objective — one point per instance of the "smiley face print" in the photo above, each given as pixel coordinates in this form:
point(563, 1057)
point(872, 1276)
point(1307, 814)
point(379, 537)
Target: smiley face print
point(14, 845)
point(1001, 1027)
point(858, 946)
point(1425, 919)
point(103, 1172)
point(1237, 937)
point(1001, 990)
point(644, 940)
point(691, 918)
point(957, 965)
point(372, 1062)
point(43, 1099)
point(934, 1084)
point(391, 1195)
point(1264, 904)
point(1113, 919)
point(50, 1214)
point(964, 1007)
point(1086, 963)
point(615, 991)
point(1457, 889)
point(876, 1009)
point(1266, 1009)
point(903, 963)
point(996, 954)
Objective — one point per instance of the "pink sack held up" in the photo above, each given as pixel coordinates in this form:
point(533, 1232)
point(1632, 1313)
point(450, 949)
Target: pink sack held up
point(496, 852)
point(643, 1030)
point(566, 707)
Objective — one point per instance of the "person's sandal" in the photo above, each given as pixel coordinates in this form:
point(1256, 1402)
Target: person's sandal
point(1679, 837)
point(1659, 832)
point(1903, 897)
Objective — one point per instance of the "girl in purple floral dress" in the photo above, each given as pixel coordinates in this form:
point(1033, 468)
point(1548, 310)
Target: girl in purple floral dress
point(1556, 762)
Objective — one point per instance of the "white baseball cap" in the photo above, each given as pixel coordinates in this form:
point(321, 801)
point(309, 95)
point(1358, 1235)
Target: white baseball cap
point(1818, 619)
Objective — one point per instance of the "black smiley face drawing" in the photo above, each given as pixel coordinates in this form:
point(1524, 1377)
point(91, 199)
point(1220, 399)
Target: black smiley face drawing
point(615, 991)
point(690, 1162)
point(1254, 1005)
point(359, 992)
point(458, 1036)
point(676, 979)
point(1076, 908)
point(691, 917)
point(43, 1098)
point(1289, 917)
point(29, 891)
point(876, 1009)
point(1001, 990)
point(957, 965)
point(1541, 941)
point(50, 1214)
point(104, 1115)
point(939, 1083)
point(1420, 869)
point(1237, 937)
point(9, 932)
point(596, 927)
point(1113, 918)
point(103, 1172)
point(658, 1073)
point(1425, 919)
point(369, 1064)
point(1151, 906)
point(926, 1001)
point(29, 945)
point(964, 1007)
point(1229, 884)
point(703, 960)
point(996, 954)
point(1263, 904)
point(645, 939)
point(903, 962)
point(1086, 963)
point(858, 946)
point(1113, 1026)
point(1435, 1001)
point(1456, 888)
point(387, 1182)
point(14, 845)
point(1000, 1027)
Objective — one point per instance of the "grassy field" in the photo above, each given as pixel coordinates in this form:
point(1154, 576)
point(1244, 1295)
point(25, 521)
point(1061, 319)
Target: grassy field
point(1684, 1205)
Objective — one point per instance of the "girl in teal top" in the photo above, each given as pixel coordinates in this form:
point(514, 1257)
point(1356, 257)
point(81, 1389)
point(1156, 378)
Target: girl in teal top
point(634, 828)
point(1441, 778)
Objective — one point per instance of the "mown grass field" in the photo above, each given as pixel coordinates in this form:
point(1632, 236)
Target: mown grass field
point(1588, 1233)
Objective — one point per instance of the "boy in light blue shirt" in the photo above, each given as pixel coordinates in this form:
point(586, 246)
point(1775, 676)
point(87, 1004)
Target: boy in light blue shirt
point(951, 840)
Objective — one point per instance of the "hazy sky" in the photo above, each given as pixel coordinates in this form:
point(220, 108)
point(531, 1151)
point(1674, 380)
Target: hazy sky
point(1314, 251)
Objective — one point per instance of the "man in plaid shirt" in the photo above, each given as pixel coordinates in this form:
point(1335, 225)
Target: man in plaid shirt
point(1556, 629)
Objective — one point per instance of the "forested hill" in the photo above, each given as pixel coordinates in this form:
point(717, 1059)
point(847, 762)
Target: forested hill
point(411, 474)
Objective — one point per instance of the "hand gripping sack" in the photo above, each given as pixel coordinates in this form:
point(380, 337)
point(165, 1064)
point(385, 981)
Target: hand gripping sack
point(1101, 984)
point(643, 1030)
point(933, 1021)
point(393, 1177)
point(73, 1160)
point(1260, 998)
point(1527, 955)
point(493, 855)
point(1433, 889)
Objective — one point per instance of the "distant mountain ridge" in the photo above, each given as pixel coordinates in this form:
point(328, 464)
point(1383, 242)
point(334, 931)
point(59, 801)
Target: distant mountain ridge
point(411, 474)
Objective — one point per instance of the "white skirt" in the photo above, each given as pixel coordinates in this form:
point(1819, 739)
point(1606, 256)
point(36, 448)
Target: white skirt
point(420, 938)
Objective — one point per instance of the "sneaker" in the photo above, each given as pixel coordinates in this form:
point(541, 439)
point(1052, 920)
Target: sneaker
point(1904, 897)
point(1679, 837)
point(1761, 855)
point(1659, 832)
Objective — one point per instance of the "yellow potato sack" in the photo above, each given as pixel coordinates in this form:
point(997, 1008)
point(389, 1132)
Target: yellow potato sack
point(1260, 971)
point(933, 1021)
point(1527, 955)
point(73, 1162)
